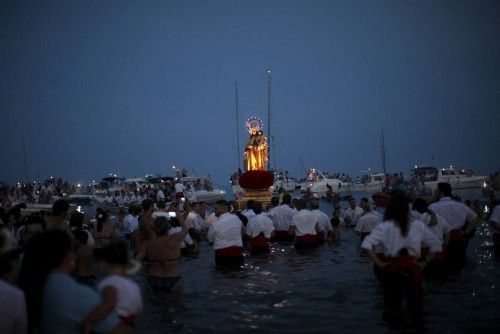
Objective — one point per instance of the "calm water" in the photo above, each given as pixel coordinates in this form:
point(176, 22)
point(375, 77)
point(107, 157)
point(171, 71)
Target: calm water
point(330, 289)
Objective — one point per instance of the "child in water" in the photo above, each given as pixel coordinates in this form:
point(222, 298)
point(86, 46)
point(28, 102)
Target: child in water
point(119, 293)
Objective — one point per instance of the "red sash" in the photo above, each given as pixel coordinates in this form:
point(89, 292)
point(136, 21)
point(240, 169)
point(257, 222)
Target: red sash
point(306, 240)
point(401, 263)
point(457, 235)
point(320, 236)
point(232, 251)
point(128, 320)
point(259, 243)
point(438, 257)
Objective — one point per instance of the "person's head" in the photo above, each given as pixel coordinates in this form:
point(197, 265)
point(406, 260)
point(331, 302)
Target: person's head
point(397, 210)
point(336, 205)
point(365, 204)
point(275, 201)
point(352, 202)
point(314, 204)
point(196, 207)
point(76, 220)
point(114, 258)
point(161, 205)
point(60, 208)
point(444, 189)
point(257, 207)
point(147, 206)
point(221, 207)
point(161, 226)
point(45, 253)
point(300, 204)
point(250, 204)
point(287, 199)
point(101, 217)
point(420, 205)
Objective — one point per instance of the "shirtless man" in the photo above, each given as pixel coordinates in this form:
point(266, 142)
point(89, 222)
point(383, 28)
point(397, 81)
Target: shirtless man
point(162, 253)
point(58, 221)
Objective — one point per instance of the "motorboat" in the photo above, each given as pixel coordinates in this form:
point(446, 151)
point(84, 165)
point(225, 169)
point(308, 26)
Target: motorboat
point(458, 179)
point(317, 182)
point(284, 181)
point(109, 184)
point(200, 189)
point(370, 182)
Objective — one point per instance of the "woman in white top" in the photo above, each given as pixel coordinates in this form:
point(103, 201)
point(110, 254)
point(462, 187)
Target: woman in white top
point(401, 240)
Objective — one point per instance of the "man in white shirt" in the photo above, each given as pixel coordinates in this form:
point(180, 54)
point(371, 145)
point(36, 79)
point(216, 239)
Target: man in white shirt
point(352, 213)
point(194, 222)
point(461, 220)
point(179, 190)
point(304, 226)
point(282, 217)
point(259, 230)
point(324, 225)
point(248, 211)
point(160, 196)
point(225, 234)
point(368, 220)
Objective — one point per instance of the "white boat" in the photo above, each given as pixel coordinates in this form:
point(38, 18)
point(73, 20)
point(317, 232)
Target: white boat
point(199, 189)
point(284, 181)
point(318, 183)
point(370, 182)
point(458, 179)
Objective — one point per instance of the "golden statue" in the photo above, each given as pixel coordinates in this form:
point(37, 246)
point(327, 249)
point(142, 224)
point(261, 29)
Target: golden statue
point(256, 147)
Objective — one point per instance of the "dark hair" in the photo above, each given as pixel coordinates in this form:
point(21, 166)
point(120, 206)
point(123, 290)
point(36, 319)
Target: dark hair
point(44, 253)
point(275, 200)
point(364, 200)
point(161, 226)
point(250, 204)
point(59, 207)
point(81, 236)
point(257, 207)
point(16, 211)
point(224, 203)
point(147, 204)
point(420, 205)
point(161, 204)
point(114, 253)
point(101, 216)
point(397, 210)
point(76, 219)
point(287, 199)
point(315, 204)
point(445, 188)
point(300, 204)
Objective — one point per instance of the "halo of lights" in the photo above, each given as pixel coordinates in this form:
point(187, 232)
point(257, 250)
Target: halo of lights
point(254, 124)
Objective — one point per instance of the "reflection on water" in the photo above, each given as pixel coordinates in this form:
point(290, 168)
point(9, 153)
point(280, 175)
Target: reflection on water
point(329, 289)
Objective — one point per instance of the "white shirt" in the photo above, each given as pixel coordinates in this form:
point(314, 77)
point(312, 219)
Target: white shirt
point(187, 240)
point(128, 294)
point(160, 195)
point(351, 216)
point(225, 231)
point(260, 224)
point(495, 219)
point(211, 218)
point(388, 235)
point(194, 220)
point(304, 222)
point(282, 217)
point(248, 213)
point(130, 223)
point(367, 222)
point(179, 187)
point(438, 229)
point(455, 213)
point(323, 221)
point(13, 318)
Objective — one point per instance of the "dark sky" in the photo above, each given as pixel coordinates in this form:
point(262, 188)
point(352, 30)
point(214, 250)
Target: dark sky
point(133, 87)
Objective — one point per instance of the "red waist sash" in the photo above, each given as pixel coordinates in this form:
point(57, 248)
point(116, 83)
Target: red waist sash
point(232, 251)
point(456, 235)
point(128, 320)
point(403, 263)
point(260, 242)
point(306, 240)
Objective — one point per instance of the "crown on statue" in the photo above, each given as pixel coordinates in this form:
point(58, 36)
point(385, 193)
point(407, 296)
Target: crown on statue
point(254, 124)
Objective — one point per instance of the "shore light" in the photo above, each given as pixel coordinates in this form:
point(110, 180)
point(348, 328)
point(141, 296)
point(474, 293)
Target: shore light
point(78, 185)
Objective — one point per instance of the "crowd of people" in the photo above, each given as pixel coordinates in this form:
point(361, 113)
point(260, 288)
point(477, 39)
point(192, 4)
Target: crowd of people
point(49, 282)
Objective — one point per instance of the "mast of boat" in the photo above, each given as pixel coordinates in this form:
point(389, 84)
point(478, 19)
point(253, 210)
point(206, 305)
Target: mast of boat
point(237, 105)
point(269, 118)
point(25, 163)
point(382, 149)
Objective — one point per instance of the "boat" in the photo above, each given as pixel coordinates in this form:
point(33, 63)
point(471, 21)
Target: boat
point(317, 182)
point(370, 182)
point(109, 184)
point(458, 179)
point(282, 180)
point(200, 189)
